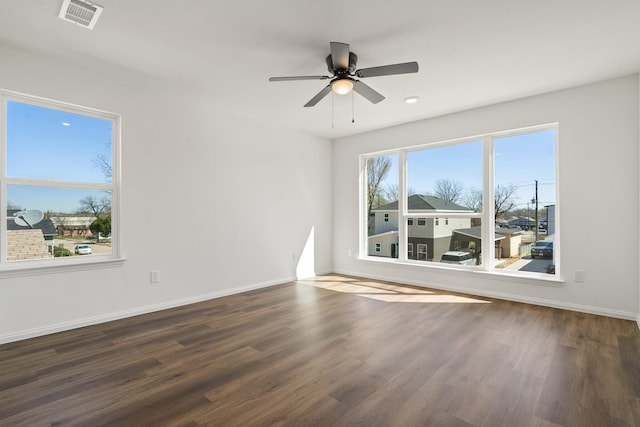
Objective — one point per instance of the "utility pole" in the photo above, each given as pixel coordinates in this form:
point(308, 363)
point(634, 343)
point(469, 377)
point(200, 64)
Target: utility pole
point(536, 210)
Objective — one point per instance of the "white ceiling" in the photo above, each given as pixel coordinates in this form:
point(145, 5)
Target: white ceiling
point(471, 52)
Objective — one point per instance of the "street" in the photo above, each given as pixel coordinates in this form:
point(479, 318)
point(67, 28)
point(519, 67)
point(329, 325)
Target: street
point(96, 248)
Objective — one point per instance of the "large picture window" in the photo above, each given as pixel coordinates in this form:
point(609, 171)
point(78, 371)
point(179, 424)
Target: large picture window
point(59, 183)
point(441, 181)
point(487, 203)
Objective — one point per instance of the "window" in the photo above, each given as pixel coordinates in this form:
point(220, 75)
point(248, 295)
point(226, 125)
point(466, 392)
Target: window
point(59, 182)
point(422, 252)
point(485, 188)
point(436, 173)
point(381, 204)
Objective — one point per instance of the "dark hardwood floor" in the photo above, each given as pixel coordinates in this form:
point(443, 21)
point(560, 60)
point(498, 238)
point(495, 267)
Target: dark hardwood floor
point(333, 351)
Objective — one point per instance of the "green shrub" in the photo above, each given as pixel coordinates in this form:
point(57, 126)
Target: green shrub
point(61, 252)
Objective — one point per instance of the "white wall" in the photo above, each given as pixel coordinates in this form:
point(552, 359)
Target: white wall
point(598, 168)
point(214, 201)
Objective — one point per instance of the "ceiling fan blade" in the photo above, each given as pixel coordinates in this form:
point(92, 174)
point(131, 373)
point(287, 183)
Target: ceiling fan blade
point(313, 101)
point(286, 79)
point(367, 92)
point(340, 55)
point(387, 70)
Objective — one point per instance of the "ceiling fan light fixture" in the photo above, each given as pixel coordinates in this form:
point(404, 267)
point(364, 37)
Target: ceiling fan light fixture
point(342, 86)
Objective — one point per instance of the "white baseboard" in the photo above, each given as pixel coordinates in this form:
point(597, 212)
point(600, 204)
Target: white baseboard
point(103, 318)
point(506, 296)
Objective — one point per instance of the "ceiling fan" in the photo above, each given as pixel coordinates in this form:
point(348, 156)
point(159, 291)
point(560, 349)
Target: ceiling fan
point(342, 64)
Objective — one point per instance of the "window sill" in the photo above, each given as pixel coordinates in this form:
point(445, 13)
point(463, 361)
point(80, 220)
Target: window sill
point(522, 278)
point(31, 268)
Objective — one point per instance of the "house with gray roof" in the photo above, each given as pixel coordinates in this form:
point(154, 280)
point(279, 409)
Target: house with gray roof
point(29, 242)
point(427, 238)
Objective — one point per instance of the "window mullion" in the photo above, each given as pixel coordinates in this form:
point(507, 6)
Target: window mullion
point(402, 208)
point(488, 205)
point(58, 183)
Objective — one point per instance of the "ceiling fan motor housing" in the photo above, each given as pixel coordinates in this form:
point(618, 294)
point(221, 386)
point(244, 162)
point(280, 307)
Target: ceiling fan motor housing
point(353, 61)
point(341, 63)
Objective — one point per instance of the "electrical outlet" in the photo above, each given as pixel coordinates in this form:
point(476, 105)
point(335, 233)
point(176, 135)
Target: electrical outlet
point(349, 253)
point(154, 277)
point(578, 276)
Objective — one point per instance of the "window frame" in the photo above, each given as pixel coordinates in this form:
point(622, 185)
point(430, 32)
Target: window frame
point(46, 265)
point(486, 216)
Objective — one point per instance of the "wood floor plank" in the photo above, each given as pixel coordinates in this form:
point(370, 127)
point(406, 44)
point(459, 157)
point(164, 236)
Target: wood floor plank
point(331, 351)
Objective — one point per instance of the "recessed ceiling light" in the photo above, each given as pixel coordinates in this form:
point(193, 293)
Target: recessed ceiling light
point(411, 100)
point(66, 124)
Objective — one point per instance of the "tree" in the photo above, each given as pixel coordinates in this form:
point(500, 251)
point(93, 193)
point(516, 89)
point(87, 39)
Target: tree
point(392, 192)
point(504, 199)
point(104, 164)
point(377, 170)
point(97, 207)
point(473, 200)
point(101, 226)
point(448, 190)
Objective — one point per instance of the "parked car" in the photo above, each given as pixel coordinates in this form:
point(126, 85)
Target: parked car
point(458, 257)
point(543, 249)
point(83, 249)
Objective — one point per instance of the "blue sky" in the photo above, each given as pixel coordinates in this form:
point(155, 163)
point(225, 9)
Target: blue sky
point(519, 161)
point(44, 143)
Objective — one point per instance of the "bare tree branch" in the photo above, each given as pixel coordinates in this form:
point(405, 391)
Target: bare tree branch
point(504, 199)
point(473, 200)
point(448, 190)
point(96, 207)
point(104, 164)
point(392, 192)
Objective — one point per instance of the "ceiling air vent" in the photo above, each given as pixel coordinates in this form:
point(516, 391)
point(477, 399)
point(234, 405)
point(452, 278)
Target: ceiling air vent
point(80, 12)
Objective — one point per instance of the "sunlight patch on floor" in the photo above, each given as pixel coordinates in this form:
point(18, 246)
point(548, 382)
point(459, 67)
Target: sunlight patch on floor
point(449, 299)
point(388, 292)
